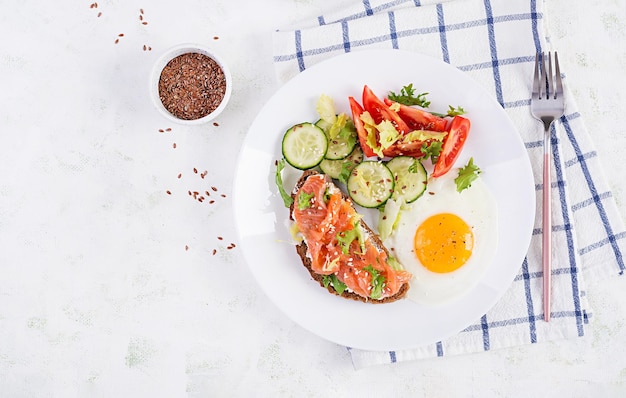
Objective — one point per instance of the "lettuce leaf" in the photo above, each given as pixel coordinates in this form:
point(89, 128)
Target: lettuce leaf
point(287, 199)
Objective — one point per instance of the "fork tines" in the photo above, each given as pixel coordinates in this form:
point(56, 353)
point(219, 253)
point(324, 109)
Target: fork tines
point(545, 79)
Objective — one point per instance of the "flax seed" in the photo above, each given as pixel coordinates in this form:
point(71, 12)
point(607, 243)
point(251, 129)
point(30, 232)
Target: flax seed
point(168, 192)
point(144, 23)
point(174, 145)
point(99, 14)
point(191, 86)
point(180, 175)
point(214, 189)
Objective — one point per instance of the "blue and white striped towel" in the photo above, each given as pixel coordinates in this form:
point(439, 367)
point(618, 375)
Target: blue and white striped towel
point(495, 42)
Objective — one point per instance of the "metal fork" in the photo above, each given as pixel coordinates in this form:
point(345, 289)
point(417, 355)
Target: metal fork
point(547, 104)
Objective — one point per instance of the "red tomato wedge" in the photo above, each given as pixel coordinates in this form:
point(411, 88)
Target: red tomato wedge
point(452, 145)
point(357, 110)
point(418, 119)
point(380, 111)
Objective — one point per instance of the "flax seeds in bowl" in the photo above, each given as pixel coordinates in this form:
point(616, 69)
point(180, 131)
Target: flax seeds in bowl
point(190, 84)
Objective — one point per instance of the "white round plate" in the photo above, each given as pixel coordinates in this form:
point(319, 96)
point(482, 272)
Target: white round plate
point(262, 219)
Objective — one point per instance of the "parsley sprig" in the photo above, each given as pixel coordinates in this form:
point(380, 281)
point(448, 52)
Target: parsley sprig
point(407, 96)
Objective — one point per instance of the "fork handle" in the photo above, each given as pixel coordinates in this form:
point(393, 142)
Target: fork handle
point(547, 225)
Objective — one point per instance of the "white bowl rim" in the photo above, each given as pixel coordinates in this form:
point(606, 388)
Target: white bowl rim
point(173, 52)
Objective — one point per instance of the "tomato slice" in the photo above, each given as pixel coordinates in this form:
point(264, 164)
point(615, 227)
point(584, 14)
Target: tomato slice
point(380, 111)
point(357, 110)
point(452, 145)
point(418, 119)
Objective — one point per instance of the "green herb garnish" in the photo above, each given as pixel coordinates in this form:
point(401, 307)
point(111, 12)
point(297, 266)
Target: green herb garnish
point(452, 112)
point(467, 175)
point(407, 96)
point(432, 150)
point(332, 280)
point(304, 200)
point(378, 282)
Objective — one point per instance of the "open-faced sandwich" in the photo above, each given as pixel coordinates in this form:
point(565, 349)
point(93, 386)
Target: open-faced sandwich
point(340, 251)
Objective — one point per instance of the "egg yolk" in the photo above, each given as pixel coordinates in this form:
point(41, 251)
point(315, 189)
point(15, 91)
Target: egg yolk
point(443, 242)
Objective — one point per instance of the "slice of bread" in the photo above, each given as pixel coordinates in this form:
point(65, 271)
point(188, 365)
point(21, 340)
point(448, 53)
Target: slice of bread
point(306, 261)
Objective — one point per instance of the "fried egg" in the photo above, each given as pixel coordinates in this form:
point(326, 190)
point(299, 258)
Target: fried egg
point(446, 239)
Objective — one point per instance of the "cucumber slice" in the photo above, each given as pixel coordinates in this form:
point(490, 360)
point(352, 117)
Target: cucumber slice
point(410, 177)
point(304, 145)
point(334, 168)
point(370, 184)
point(343, 144)
point(323, 124)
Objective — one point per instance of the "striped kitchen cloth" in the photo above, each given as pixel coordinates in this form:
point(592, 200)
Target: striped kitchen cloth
point(495, 42)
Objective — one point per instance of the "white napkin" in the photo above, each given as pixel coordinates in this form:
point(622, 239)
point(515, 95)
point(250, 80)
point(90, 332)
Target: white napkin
point(495, 42)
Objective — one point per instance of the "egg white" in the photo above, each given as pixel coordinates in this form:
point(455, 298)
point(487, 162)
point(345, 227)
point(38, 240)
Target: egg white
point(477, 207)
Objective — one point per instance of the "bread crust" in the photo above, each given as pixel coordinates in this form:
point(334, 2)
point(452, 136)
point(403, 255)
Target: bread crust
point(302, 251)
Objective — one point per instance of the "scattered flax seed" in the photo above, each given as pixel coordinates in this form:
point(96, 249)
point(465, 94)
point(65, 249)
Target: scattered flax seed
point(99, 14)
point(207, 193)
point(220, 238)
point(117, 41)
point(223, 195)
point(204, 173)
point(214, 189)
point(186, 247)
point(141, 10)
point(144, 47)
point(231, 246)
point(216, 124)
point(215, 37)
point(168, 192)
point(168, 129)
point(121, 35)
point(141, 17)
point(144, 23)
point(180, 175)
point(174, 145)
point(214, 252)
point(189, 192)
point(211, 202)
point(200, 199)
point(195, 170)
point(161, 131)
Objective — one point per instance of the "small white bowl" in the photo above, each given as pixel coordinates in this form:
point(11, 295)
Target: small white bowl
point(165, 59)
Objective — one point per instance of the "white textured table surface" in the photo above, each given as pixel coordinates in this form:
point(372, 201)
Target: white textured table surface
point(109, 287)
